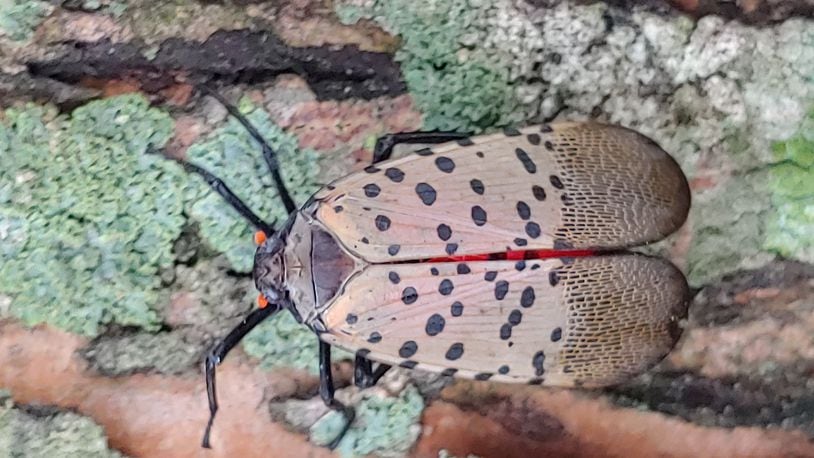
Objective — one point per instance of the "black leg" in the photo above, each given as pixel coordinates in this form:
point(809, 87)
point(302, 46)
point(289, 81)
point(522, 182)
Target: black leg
point(384, 145)
point(363, 374)
point(220, 351)
point(268, 154)
point(326, 390)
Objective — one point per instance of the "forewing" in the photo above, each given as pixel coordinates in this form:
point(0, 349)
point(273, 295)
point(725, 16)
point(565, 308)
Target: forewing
point(558, 186)
point(577, 322)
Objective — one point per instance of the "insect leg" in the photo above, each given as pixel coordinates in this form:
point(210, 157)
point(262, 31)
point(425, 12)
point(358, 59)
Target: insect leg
point(363, 374)
point(326, 391)
point(229, 196)
point(268, 154)
point(220, 351)
point(384, 145)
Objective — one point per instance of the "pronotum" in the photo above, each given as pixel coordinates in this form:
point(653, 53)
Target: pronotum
point(497, 257)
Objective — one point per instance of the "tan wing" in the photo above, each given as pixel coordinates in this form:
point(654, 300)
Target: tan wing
point(580, 322)
point(559, 186)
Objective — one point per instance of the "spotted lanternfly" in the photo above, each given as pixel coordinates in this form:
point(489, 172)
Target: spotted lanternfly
point(494, 257)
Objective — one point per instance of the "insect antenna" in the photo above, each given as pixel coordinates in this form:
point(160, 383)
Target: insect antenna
point(220, 187)
point(268, 153)
point(216, 356)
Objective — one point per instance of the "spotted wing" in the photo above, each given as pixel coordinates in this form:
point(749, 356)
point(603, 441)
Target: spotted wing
point(559, 186)
point(581, 322)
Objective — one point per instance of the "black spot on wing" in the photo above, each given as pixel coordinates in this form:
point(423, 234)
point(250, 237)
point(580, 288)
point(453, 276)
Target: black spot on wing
point(501, 289)
point(408, 349)
point(451, 248)
point(395, 175)
point(382, 223)
point(533, 229)
point(409, 295)
point(426, 193)
point(478, 215)
point(435, 325)
point(446, 287)
point(444, 232)
point(372, 190)
point(456, 309)
point(515, 317)
point(455, 351)
point(537, 362)
point(528, 164)
point(505, 331)
point(527, 297)
point(477, 186)
point(523, 210)
point(539, 192)
point(445, 164)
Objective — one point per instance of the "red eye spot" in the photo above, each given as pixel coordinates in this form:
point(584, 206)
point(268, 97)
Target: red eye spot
point(262, 302)
point(259, 237)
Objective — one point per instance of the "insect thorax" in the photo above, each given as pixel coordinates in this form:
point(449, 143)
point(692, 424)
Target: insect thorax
point(305, 266)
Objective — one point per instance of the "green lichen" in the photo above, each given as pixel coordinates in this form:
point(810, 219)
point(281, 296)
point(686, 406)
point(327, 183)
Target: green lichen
point(384, 426)
point(455, 88)
point(282, 342)
point(163, 353)
point(87, 219)
point(115, 8)
point(749, 218)
point(60, 434)
point(729, 227)
point(19, 18)
point(789, 232)
point(231, 154)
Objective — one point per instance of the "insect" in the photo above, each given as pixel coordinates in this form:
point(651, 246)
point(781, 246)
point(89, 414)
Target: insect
point(496, 257)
